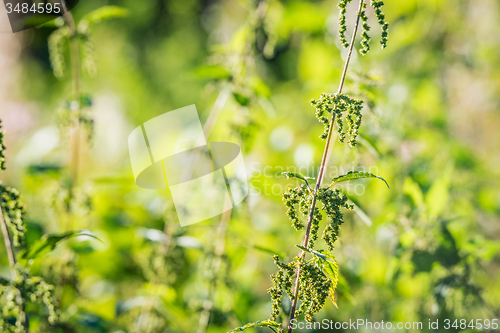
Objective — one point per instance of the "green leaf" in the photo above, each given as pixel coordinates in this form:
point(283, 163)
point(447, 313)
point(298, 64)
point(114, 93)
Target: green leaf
point(212, 72)
point(264, 323)
point(316, 253)
point(241, 99)
point(49, 242)
point(295, 175)
point(351, 175)
point(260, 87)
point(437, 196)
point(104, 13)
point(269, 250)
point(4, 281)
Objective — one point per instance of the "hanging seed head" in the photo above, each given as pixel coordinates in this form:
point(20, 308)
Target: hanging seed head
point(342, 22)
point(56, 44)
point(2, 148)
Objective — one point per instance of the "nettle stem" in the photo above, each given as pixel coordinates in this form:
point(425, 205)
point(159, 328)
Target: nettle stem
point(322, 170)
point(76, 91)
point(8, 243)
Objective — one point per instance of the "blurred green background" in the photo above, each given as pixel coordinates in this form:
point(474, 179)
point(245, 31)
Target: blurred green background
point(428, 248)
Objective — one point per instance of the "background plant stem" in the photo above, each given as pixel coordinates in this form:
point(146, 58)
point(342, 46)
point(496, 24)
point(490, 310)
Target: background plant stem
point(321, 175)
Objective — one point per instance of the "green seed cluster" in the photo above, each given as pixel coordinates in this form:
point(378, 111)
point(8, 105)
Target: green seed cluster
point(316, 219)
point(13, 213)
point(377, 4)
point(314, 288)
point(365, 42)
point(282, 282)
point(328, 103)
point(342, 22)
point(61, 271)
point(88, 51)
point(56, 50)
point(333, 201)
point(2, 148)
point(22, 288)
point(293, 197)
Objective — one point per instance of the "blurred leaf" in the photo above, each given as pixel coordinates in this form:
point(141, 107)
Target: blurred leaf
point(4, 281)
point(105, 13)
point(49, 242)
point(264, 323)
point(260, 87)
point(351, 175)
point(241, 99)
point(43, 169)
point(212, 72)
point(412, 189)
point(437, 196)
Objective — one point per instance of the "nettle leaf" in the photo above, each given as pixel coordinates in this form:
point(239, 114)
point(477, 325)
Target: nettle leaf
point(295, 175)
point(49, 242)
point(212, 72)
point(352, 175)
point(274, 326)
point(269, 250)
point(315, 253)
point(105, 13)
point(260, 87)
point(327, 262)
point(241, 99)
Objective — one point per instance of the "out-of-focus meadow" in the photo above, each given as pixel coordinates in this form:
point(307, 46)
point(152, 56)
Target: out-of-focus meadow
point(427, 248)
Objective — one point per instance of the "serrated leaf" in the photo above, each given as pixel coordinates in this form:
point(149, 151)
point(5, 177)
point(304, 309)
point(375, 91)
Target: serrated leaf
point(212, 72)
point(105, 13)
point(49, 242)
point(295, 175)
point(352, 175)
point(316, 253)
point(264, 323)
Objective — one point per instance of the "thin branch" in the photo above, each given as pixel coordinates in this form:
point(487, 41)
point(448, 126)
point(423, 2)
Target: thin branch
point(76, 88)
point(8, 243)
point(215, 268)
point(322, 170)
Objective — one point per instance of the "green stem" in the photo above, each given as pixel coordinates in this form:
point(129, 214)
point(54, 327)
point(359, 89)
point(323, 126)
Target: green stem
point(322, 170)
point(76, 91)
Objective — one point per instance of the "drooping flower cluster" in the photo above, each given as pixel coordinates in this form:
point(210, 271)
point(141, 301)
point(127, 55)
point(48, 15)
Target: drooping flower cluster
point(342, 22)
point(56, 44)
point(377, 4)
point(313, 291)
point(2, 148)
point(333, 201)
point(13, 213)
point(24, 287)
point(339, 104)
point(293, 197)
point(365, 42)
point(282, 282)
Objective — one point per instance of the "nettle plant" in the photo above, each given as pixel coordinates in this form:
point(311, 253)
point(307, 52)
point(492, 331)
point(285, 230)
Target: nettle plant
point(23, 290)
point(311, 277)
